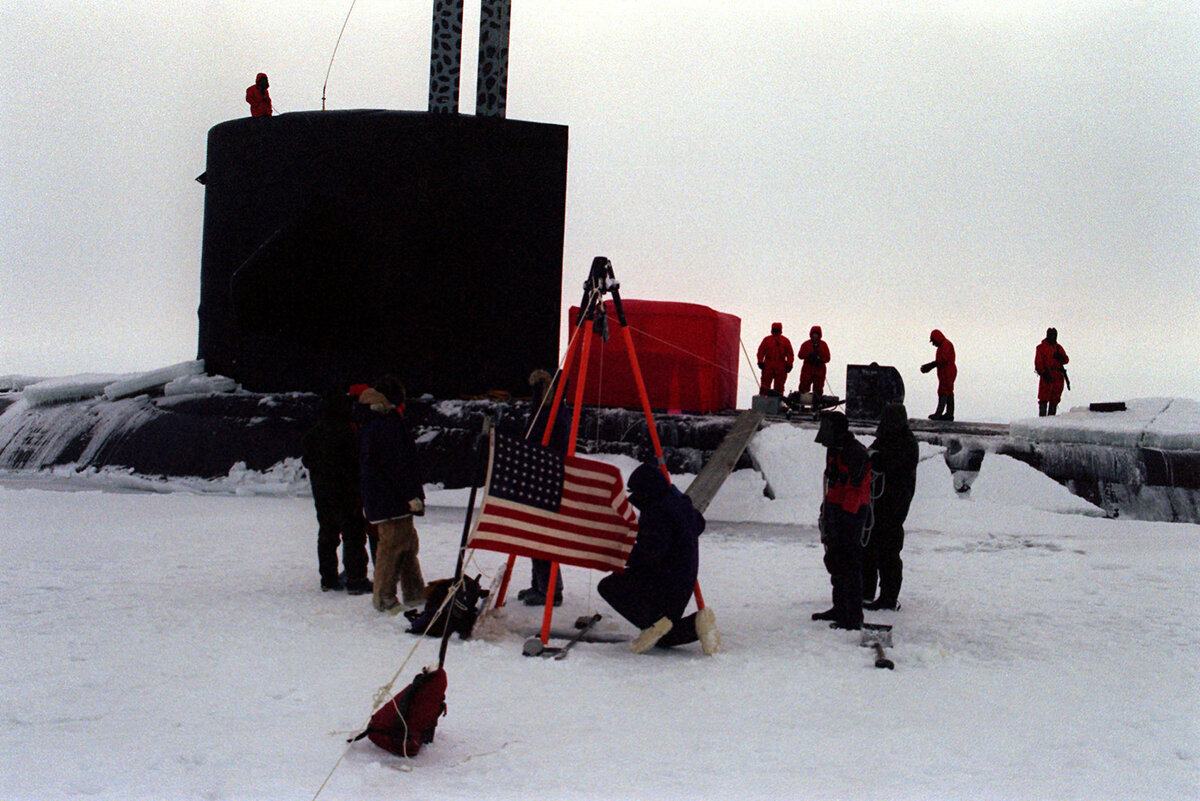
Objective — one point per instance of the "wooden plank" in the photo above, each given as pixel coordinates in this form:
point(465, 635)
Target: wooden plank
point(722, 462)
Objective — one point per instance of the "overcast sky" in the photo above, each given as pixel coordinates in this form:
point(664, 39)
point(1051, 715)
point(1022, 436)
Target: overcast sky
point(988, 168)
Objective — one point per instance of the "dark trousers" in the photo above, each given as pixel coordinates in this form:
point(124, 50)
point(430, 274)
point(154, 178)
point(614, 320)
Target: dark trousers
point(882, 565)
point(636, 600)
point(344, 525)
point(539, 577)
point(843, 560)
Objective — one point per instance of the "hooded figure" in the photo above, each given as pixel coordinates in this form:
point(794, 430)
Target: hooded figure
point(258, 97)
point(843, 514)
point(894, 456)
point(660, 573)
point(331, 456)
point(814, 355)
point(947, 371)
point(1049, 362)
point(775, 357)
point(392, 493)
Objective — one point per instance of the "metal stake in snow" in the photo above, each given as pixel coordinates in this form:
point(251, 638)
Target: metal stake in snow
point(876, 636)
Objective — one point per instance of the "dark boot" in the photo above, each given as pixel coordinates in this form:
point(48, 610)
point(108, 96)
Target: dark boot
point(941, 408)
point(1041, 408)
point(883, 603)
point(1052, 409)
point(538, 598)
point(828, 614)
point(949, 415)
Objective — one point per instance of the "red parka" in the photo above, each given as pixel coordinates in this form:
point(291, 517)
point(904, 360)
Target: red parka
point(259, 99)
point(1048, 361)
point(947, 370)
point(848, 477)
point(813, 358)
point(775, 357)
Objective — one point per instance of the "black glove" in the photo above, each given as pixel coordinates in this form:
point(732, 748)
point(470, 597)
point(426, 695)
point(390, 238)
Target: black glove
point(788, 369)
point(762, 365)
point(925, 368)
point(1062, 357)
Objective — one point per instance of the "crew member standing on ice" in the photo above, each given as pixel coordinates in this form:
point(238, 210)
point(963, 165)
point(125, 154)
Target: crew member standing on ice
point(894, 457)
point(258, 97)
point(1049, 360)
point(947, 371)
point(539, 415)
point(843, 515)
point(814, 355)
point(660, 573)
point(775, 357)
point(331, 456)
point(392, 494)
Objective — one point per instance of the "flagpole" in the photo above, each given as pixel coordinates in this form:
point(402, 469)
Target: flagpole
point(580, 380)
point(448, 609)
point(645, 398)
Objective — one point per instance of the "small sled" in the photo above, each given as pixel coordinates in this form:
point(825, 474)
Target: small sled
point(809, 404)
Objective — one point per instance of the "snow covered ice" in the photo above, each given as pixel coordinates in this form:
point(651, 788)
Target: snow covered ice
point(175, 645)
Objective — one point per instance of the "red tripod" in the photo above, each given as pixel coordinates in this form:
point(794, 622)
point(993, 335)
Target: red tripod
point(600, 282)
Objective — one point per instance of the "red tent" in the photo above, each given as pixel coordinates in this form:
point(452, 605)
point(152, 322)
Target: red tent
point(688, 354)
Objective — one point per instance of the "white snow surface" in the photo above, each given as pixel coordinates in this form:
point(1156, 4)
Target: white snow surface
point(1165, 423)
point(174, 644)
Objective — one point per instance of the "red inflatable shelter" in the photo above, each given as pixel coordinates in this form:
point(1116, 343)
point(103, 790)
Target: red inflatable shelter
point(688, 354)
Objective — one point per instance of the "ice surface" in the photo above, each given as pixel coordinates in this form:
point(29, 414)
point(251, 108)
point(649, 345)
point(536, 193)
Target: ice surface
point(175, 645)
point(1163, 423)
point(199, 385)
point(144, 382)
point(68, 388)
point(15, 382)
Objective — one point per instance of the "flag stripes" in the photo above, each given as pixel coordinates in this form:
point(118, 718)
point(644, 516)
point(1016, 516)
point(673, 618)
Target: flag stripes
point(568, 509)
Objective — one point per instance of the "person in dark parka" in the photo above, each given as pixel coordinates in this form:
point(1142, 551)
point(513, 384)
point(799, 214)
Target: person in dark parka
point(843, 514)
point(660, 573)
point(894, 456)
point(392, 493)
point(331, 456)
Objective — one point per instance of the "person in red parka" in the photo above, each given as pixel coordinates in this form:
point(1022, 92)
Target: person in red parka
point(258, 97)
point(775, 357)
point(814, 355)
point(1049, 360)
point(947, 371)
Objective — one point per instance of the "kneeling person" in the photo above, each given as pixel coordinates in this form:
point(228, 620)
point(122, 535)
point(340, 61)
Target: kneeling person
point(660, 573)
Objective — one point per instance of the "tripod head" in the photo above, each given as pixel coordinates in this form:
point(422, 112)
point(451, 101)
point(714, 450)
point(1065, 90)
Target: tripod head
point(600, 282)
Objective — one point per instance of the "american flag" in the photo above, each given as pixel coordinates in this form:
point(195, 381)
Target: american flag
point(563, 509)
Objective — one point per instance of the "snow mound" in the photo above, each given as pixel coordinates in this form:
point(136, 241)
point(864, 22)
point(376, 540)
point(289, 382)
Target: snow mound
point(792, 464)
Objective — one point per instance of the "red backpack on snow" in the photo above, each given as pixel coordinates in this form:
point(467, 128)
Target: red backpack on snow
point(408, 720)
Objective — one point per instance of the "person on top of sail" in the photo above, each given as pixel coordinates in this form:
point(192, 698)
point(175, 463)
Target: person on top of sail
point(258, 97)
